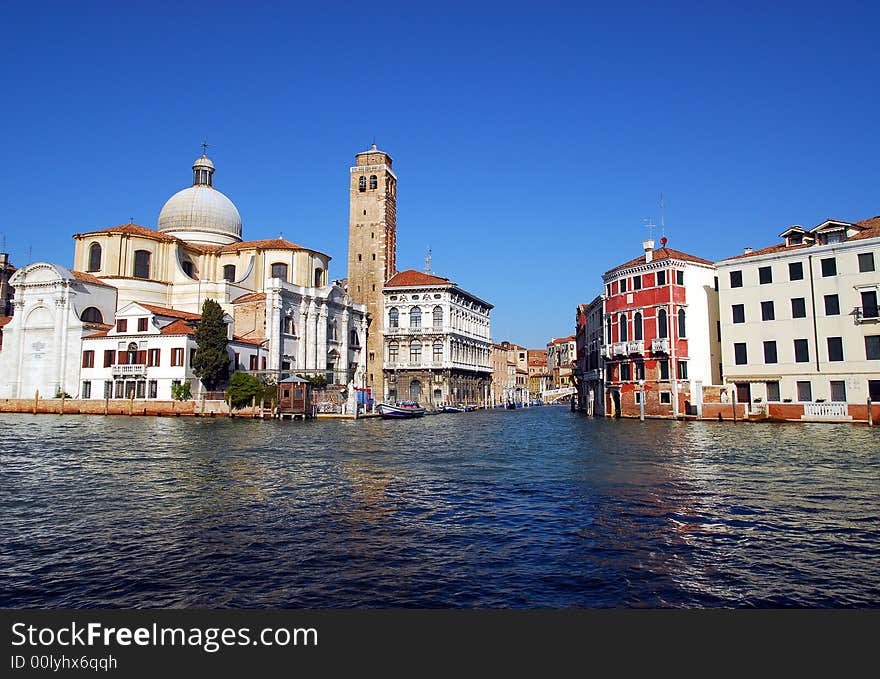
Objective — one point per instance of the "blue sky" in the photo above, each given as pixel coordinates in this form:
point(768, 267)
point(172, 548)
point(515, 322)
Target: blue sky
point(530, 139)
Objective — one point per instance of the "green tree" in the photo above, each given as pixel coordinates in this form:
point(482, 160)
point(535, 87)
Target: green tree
point(211, 363)
point(181, 392)
point(242, 388)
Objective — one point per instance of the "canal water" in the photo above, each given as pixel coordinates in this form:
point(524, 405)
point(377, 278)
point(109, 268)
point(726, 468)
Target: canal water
point(532, 508)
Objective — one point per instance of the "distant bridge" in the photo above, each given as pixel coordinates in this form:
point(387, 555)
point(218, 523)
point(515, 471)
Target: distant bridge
point(553, 395)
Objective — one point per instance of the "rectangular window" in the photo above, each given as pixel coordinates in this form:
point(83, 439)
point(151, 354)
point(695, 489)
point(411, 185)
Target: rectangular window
point(679, 277)
point(640, 370)
point(661, 278)
point(664, 369)
point(108, 389)
point(770, 352)
point(88, 359)
point(772, 391)
point(716, 283)
point(798, 307)
point(869, 304)
point(804, 391)
point(153, 357)
point(866, 262)
point(682, 370)
point(625, 372)
point(176, 357)
point(796, 271)
point(262, 362)
point(832, 305)
point(736, 279)
point(122, 325)
point(739, 353)
point(838, 390)
point(829, 266)
point(109, 354)
point(622, 285)
point(835, 348)
point(192, 356)
point(872, 347)
point(119, 389)
point(768, 313)
point(718, 329)
point(607, 290)
point(874, 390)
point(765, 275)
point(252, 364)
point(801, 351)
point(638, 397)
point(637, 282)
point(142, 324)
point(152, 389)
point(665, 397)
point(86, 390)
point(140, 389)
point(739, 313)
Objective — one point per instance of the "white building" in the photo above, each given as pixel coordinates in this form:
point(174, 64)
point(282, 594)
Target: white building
point(53, 310)
point(148, 350)
point(437, 346)
point(799, 320)
point(279, 294)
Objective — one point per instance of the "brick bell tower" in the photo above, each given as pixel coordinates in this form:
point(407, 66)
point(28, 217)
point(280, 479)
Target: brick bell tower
point(372, 247)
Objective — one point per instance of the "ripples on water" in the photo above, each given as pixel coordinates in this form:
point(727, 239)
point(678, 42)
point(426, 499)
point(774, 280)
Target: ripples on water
point(533, 508)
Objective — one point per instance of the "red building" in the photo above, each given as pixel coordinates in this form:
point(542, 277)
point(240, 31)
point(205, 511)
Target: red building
point(661, 336)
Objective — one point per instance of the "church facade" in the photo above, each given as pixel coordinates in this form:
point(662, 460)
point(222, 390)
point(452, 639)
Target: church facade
point(278, 295)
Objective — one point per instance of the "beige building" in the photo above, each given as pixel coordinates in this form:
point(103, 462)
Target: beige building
point(510, 374)
point(800, 323)
point(372, 247)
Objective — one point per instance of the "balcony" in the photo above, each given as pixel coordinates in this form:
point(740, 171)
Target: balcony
point(129, 370)
point(832, 410)
point(607, 351)
point(620, 349)
point(635, 347)
point(866, 314)
point(426, 330)
point(660, 345)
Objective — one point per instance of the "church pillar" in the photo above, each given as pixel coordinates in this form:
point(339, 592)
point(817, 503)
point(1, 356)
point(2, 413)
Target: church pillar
point(321, 345)
point(344, 331)
point(312, 336)
point(273, 325)
point(302, 322)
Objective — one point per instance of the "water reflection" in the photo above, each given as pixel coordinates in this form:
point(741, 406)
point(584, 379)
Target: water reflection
point(539, 508)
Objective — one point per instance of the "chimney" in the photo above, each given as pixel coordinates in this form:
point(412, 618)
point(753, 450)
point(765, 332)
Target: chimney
point(649, 250)
point(747, 251)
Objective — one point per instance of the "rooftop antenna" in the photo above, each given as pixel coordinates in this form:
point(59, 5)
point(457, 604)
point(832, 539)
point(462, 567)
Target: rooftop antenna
point(649, 223)
point(662, 215)
point(428, 261)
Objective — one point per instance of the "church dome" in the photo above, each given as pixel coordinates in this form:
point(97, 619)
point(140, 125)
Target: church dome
point(200, 213)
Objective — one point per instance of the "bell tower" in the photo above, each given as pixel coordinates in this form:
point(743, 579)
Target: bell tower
point(372, 247)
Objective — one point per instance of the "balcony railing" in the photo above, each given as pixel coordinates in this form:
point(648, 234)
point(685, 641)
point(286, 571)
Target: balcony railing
point(636, 347)
point(866, 314)
point(660, 345)
point(426, 330)
point(830, 409)
point(607, 351)
point(620, 349)
point(130, 369)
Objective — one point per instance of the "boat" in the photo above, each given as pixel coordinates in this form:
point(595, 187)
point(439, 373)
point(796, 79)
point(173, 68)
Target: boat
point(453, 409)
point(400, 411)
point(470, 408)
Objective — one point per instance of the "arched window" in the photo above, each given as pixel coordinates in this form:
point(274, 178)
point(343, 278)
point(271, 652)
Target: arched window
point(92, 315)
point(354, 340)
point(331, 330)
point(682, 329)
point(415, 351)
point(637, 326)
point(187, 268)
point(415, 317)
point(374, 182)
point(362, 184)
point(393, 352)
point(438, 351)
point(608, 330)
point(662, 324)
point(319, 277)
point(94, 257)
point(279, 270)
point(438, 316)
point(393, 317)
point(621, 328)
point(415, 390)
point(229, 273)
point(287, 325)
point(141, 264)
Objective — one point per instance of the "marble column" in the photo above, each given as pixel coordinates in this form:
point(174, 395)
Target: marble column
point(302, 324)
point(321, 344)
point(312, 337)
point(344, 332)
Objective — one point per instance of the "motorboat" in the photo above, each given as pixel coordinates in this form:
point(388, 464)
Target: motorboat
point(400, 411)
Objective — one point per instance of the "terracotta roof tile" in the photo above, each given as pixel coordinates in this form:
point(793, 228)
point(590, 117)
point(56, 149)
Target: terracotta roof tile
point(659, 255)
point(89, 278)
point(411, 277)
point(133, 230)
point(871, 228)
point(246, 340)
point(173, 313)
point(179, 327)
point(266, 244)
point(250, 297)
point(779, 247)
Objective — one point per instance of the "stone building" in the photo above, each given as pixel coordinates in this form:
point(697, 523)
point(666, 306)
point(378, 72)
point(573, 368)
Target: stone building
point(437, 346)
point(510, 374)
point(6, 290)
point(561, 356)
point(589, 364)
point(372, 247)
